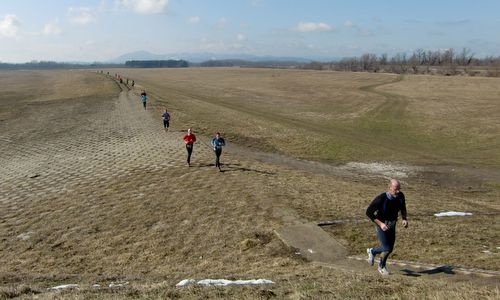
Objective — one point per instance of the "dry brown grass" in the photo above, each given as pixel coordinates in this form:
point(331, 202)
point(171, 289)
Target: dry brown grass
point(152, 227)
point(35, 86)
point(339, 116)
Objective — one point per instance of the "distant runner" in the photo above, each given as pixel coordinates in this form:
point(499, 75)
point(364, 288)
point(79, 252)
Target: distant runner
point(166, 119)
point(144, 98)
point(383, 211)
point(217, 143)
point(189, 139)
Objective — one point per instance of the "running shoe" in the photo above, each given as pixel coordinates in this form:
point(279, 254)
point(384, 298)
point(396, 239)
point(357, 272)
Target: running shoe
point(371, 258)
point(383, 271)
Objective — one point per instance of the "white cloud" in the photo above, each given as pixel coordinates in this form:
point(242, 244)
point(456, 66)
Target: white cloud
point(52, 28)
point(312, 27)
point(144, 7)
point(9, 26)
point(81, 15)
point(349, 24)
point(240, 37)
point(194, 20)
point(103, 6)
point(221, 23)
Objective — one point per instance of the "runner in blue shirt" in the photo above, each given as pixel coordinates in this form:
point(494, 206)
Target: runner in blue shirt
point(217, 143)
point(144, 98)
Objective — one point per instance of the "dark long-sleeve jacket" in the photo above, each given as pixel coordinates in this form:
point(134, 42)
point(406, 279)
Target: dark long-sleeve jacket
point(385, 209)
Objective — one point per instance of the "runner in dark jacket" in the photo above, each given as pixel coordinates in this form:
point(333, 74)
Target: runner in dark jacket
point(166, 119)
point(383, 211)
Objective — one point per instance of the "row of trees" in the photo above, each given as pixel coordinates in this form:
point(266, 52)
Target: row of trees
point(448, 62)
point(49, 65)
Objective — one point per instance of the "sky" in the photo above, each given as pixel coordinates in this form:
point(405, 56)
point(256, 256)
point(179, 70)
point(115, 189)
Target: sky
point(100, 30)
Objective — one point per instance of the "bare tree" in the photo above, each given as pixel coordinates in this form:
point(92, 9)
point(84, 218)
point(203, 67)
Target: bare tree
point(414, 62)
point(431, 59)
point(366, 62)
point(464, 58)
point(420, 56)
point(383, 60)
point(399, 63)
point(447, 58)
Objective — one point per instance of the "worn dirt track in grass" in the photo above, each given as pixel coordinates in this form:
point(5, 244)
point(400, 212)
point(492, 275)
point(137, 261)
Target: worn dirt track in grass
point(104, 194)
point(340, 117)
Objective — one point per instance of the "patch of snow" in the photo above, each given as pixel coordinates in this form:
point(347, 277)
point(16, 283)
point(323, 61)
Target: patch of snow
point(185, 282)
point(386, 170)
point(24, 236)
point(453, 214)
point(117, 285)
point(310, 251)
point(223, 282)
point(63, 287)
point(96, 286)
point(487, 251)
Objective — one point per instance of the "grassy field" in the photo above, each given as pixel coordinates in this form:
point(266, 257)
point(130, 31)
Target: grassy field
point(338, 116)
point(94, 191)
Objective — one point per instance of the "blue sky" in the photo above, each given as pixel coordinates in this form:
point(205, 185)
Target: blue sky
point(98, 30)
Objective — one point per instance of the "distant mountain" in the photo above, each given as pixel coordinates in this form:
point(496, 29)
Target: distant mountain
point(201, 57)
point(204, 56)
point(137, 55)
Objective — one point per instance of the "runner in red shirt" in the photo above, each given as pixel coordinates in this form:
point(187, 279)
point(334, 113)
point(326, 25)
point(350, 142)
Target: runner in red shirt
point(189, 139)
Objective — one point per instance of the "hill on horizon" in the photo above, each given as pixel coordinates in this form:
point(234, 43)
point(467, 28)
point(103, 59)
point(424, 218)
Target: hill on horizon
point(201, 57)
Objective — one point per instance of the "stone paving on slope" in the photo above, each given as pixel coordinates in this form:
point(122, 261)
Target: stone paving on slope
point(119, 139)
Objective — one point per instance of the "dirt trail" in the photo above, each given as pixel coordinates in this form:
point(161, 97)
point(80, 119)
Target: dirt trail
point(320, 248)
point(393, 107)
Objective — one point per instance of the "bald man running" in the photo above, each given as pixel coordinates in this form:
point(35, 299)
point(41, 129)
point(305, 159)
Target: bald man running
point(383, 211)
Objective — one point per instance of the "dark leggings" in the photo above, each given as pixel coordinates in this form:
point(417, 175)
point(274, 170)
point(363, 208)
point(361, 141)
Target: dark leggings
point(144, 104)
point(166, 123)
point(387, 239)
point(189, 148)
point(218, 152)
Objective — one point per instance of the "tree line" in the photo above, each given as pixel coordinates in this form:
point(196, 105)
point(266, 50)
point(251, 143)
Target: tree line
point(52, 65)
point(445, 62)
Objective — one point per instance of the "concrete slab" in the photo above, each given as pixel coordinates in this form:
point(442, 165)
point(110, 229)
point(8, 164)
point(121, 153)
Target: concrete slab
point(312, 242)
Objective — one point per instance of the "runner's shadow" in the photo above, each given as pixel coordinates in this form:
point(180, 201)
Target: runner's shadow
point(238, 167)
point(202, 165)
point(442, 269)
